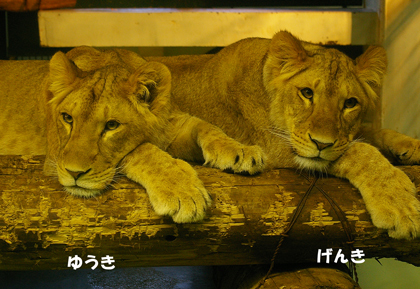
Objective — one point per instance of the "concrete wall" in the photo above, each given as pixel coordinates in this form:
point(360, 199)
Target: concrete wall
point(401, 94)
point(401, 112)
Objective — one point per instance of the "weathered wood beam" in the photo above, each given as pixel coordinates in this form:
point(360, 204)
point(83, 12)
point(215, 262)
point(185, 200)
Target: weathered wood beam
point(41, 226)
point(249, 277)
point(151, 27)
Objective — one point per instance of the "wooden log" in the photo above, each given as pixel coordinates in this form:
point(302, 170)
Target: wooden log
point(252, 277)
point(41, 226)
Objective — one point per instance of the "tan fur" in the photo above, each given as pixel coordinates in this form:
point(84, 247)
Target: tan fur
point(255, 91)
point(97, 114)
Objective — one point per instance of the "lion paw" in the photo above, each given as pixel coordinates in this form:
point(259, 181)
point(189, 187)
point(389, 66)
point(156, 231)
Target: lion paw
point(402, 219)
point(406, 151)
point(397, 210)
point(234, 156)
point(402, 148)
point(180, 195)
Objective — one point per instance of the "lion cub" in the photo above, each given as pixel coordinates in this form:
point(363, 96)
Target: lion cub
point(304, 105)
point(95, 114)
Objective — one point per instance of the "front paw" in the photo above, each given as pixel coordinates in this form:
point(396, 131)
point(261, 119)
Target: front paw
point(180, 194)
point(402, 148)
point(234, 156)
point(396, 208)
point(406, 151)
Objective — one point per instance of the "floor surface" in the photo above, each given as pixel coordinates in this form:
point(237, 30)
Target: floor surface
point(119, 278)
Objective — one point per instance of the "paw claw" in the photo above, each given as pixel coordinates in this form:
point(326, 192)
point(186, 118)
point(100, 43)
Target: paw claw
point(231, 155)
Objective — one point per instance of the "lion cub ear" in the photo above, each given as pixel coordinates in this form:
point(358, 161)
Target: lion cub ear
point(371, 67)
point(150, 83)
point(63, 73)
point(285, 55)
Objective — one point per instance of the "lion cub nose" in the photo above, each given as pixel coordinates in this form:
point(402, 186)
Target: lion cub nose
point(320, 145)
point(77, 174)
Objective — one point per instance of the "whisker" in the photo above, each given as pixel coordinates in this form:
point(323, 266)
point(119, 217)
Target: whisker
point(117, 178)
point(111, 185)
point(281, 133)
point(120, 167)
point(300, 169)
point(357, 140)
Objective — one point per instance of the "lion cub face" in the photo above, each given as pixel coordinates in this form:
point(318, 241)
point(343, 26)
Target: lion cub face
point(323, 98)
point(97, 117)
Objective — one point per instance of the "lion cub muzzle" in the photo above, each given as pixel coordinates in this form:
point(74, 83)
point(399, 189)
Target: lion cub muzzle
point(85, 183)
point(81, 179)
point(316, 153)
point(77, 174)
point(321, 145)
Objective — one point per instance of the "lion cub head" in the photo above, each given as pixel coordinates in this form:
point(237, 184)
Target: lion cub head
point(101, 106)
point(319, 96)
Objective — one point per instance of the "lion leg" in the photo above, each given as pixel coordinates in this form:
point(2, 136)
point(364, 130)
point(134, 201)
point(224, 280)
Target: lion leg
point(396, 146)
point(209, 143)
point(173, 186)
point(388, 193)
point(403, 149)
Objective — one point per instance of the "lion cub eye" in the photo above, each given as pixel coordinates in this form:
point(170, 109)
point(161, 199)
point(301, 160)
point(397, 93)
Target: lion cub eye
point(307, 93)
point(67, 118)
point(111, 125)
point(350, 103)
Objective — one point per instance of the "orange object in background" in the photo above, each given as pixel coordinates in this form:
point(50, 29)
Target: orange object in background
point(33, 5)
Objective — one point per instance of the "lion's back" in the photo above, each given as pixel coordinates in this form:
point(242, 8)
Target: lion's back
point(22, 119)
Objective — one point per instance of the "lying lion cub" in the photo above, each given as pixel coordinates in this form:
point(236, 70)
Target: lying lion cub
point(304, 105)
point(103, 113)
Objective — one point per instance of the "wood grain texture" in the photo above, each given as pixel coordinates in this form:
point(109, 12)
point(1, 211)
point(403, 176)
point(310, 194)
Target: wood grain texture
point(252, 277)
point(41, 225)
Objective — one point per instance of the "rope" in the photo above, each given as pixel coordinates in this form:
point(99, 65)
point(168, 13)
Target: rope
point(288, 228)
point(340, 214)
point(346, 226)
